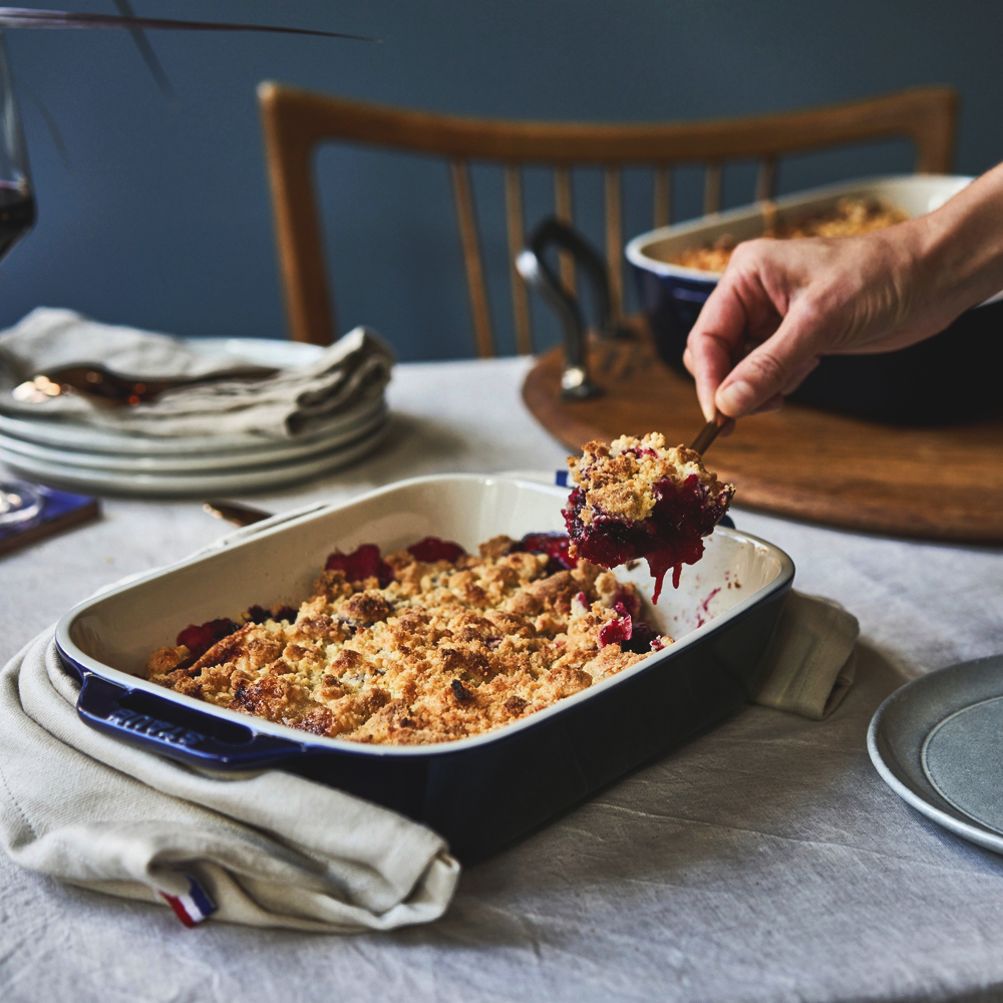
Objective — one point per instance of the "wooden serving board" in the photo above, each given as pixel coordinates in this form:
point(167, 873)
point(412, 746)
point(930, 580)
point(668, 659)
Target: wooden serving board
point(933, 483)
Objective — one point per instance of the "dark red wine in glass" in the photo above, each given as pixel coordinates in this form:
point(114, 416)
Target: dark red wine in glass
point(17, 214)
point(20, 502)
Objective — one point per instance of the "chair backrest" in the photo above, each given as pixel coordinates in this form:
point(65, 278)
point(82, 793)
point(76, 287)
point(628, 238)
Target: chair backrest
point(296, 121)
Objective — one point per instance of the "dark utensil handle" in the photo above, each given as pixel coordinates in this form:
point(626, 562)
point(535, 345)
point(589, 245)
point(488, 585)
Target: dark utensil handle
point(236, 512)
point(169, 729)
point(710, 432)
point(540, 274)
point(553, 232)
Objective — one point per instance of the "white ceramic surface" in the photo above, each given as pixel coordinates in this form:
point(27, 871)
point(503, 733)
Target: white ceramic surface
point(277, 352)
point(275, 563)
point(256, 351)
point(195, 483)
point(174, 461)
point(64, 435)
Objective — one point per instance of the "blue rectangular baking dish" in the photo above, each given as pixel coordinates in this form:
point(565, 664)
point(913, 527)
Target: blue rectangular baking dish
point(480, 793)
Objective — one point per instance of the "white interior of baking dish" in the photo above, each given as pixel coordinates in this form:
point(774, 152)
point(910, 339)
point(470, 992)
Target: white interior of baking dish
point(276, 563)
point(913, 194)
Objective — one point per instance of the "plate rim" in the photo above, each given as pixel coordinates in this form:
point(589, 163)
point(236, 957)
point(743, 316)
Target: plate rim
point(254, 478)
point(966, 827)
point(191, 463)
point(50, 430)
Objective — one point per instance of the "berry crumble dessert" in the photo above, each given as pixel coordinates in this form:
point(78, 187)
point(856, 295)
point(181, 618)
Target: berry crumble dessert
point(426, 644)
point(639, 498)
point(850, 216)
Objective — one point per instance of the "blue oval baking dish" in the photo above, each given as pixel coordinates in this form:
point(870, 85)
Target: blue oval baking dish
point(933, 382)
point(480, 793)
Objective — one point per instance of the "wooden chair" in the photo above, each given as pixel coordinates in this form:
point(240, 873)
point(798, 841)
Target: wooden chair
point(296, 121)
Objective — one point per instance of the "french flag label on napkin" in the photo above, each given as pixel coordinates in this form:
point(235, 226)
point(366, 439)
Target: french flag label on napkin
point(193, 908)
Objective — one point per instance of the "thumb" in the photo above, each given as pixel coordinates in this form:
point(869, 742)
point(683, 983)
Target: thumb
point(774, 368)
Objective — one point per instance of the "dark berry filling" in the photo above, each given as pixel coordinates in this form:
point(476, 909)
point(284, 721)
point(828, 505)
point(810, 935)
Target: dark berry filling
point(258, 614)
point(366, 562)
point(618, 631)
point(669, 538)
point(199, 638)
point(432, 549)
point(631, 634)
point(363, 562)
point(554, 545)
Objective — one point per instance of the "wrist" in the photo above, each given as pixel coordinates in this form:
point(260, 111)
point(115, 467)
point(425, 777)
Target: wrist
point(959, 247)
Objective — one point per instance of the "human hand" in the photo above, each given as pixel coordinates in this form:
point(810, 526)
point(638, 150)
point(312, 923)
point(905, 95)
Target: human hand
point(783, 304)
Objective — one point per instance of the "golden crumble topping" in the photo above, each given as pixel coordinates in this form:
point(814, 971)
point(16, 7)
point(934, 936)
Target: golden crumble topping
point(621, 478)
point(639, 498)
point(849, 217)
point(421, 650)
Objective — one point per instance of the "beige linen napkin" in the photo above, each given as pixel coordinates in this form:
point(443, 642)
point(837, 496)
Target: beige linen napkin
point(352, 371)
point(808, 666)
point(269, 849)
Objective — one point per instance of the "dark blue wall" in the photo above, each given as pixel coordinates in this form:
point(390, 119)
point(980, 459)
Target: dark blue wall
point(158, 214)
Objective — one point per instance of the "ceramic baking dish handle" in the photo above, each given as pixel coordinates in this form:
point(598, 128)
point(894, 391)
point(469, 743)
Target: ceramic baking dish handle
point(173, 730)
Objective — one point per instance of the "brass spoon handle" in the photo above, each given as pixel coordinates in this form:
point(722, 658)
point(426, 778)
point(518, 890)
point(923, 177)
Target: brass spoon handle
point(235, 512)
point(710, 432)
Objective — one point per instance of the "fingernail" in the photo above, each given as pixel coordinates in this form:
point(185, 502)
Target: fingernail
point(734, 399)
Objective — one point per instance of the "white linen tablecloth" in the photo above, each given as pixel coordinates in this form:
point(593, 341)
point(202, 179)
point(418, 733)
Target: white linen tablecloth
point(764, 861)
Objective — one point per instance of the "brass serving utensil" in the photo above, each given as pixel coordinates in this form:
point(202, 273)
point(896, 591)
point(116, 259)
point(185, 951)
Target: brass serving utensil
point(236, 512)
point(710, 432)
point(100, 384)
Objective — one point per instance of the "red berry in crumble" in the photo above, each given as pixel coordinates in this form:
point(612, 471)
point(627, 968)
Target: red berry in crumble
point(640, 498)
point(428, 643)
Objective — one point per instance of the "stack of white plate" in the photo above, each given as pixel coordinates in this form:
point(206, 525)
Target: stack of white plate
point(107, 460)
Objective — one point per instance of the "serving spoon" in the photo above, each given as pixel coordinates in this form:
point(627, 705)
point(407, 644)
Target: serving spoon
point(101, 385)
point(710, 432)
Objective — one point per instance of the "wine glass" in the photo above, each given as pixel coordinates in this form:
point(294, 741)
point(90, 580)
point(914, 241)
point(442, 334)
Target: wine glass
point(19, 502)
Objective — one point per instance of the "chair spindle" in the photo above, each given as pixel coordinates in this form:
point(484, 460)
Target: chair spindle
point(662, 196)
point(467, 219)
point(614, 238)
point(712, 189)
point(516, 238)
point(766, 179)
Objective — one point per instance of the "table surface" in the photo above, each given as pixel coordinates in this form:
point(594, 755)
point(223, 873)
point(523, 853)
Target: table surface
point(764, 861)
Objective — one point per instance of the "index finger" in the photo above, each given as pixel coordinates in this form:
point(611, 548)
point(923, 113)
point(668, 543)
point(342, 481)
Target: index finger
point(715, 342)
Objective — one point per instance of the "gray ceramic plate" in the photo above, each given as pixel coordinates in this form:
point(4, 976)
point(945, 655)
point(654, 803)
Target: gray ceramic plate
point(938, 743)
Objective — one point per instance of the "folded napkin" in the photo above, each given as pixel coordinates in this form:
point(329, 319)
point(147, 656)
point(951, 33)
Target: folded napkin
point(809, 664)
point(269, 849)
point(352, 371)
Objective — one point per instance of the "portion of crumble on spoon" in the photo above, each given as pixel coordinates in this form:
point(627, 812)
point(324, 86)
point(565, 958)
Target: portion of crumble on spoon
point(640, 498)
